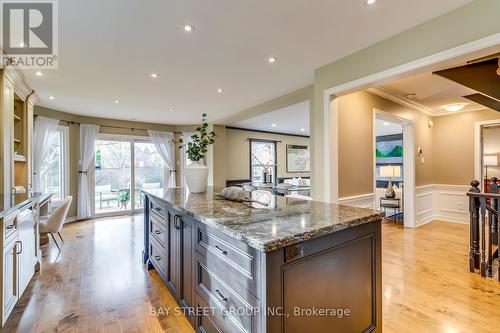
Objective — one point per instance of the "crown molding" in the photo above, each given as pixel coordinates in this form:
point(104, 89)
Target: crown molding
point(420, 107)
point(402, 100)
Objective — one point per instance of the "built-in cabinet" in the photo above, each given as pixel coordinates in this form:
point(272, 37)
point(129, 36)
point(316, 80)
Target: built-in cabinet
point(16, 136)
point(19, 254)
point(19, 250)
point(170, 249)
point(226, 286)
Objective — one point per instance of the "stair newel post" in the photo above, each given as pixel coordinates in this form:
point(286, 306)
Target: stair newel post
point(491, 219)
point(483, 236)
point(474, 227)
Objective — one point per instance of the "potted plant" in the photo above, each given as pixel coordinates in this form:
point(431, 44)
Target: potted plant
point(123, 197)
point(197, 172)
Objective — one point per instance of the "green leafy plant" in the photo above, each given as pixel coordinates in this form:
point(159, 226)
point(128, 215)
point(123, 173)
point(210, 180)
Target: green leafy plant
point(123, 196)
point(197, 147)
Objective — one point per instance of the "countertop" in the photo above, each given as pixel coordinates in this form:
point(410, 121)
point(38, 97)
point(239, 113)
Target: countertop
point(285, 221)
point(23, 200)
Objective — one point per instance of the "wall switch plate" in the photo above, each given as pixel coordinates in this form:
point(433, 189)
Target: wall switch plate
point(422, 160)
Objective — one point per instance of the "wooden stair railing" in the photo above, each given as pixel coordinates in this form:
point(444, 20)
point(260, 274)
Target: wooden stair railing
point(484, 213)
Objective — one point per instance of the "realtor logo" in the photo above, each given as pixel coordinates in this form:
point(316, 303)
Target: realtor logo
point(29, 34)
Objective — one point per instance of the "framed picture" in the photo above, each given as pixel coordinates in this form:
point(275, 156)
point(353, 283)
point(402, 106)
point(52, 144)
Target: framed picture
point(297, 159)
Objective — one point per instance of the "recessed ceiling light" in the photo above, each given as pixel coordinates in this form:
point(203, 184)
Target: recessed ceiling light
point(51, 97)
point(116, 101)
point(171, 109)
point(39, 73)
point(370, 2)
point(386, 124)
point(411, 96)
point(273, 125)
point(454, 107)
point(188, 27)
point(154, 75)
point(272, 60)
point(303, 129)
point(220, 90)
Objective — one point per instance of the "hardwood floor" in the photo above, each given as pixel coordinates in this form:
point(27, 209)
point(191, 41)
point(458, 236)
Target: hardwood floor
point(98, 284)
point(426, 283)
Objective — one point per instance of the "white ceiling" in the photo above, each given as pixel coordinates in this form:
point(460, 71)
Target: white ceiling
point(290, 120)
point(387, 127)
point(432, 92)
point(109, 48)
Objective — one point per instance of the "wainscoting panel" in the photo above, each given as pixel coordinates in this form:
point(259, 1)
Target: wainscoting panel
point(451, 203)
point(424, 204)
point(432, 202)
point(362, 201)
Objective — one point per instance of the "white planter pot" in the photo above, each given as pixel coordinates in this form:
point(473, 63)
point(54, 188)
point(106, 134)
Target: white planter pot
point(196, 177)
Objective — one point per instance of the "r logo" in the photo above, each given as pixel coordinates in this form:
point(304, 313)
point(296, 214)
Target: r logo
point(27, 27)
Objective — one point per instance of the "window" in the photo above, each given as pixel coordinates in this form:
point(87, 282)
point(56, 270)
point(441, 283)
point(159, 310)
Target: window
point(262, 161)
point(54, 168)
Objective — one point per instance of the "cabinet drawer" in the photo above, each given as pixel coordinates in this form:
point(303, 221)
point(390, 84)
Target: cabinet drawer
point(158, 230)
point(10, 225)
point(228, 305)
point(158, 258)
point(239, 261)
point(207, 322)
point(159, 209)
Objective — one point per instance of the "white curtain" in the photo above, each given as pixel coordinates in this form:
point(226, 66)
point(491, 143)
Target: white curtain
point(43, 136)
point(88, 135)
point(164, 143)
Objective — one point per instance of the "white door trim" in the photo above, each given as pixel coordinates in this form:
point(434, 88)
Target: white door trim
point(408, 165)
point(478, 149)
point(330, 110)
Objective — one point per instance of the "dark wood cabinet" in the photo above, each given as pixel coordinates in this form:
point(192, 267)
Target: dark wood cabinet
point(250, 291)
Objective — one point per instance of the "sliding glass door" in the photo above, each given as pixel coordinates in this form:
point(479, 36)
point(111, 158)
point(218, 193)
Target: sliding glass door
point(149, 170)
point(113, 175)
point(124, 166)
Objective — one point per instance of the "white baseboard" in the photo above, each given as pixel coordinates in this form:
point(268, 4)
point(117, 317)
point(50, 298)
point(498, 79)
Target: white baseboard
point(432, 202)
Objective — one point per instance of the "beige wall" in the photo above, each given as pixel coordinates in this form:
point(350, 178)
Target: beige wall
point(453, 146)
point(356, 141)
point(72, 121)
point(491, 146)
point(238, 155)
point(469, 23)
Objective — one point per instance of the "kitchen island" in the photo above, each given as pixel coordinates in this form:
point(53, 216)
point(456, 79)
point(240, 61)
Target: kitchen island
point(289, 266)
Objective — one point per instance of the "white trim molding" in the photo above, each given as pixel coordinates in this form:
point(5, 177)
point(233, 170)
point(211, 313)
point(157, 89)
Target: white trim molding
point(330, 110)
point(361, 201)
point(442, 202)
point(432, 202)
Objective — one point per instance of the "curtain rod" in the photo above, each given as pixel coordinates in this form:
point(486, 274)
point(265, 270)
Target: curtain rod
point(110, 126)
point(262, 140)
point(114, 126)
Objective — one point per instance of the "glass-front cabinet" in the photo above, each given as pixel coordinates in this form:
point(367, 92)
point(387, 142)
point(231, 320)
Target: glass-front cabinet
point(16, 128)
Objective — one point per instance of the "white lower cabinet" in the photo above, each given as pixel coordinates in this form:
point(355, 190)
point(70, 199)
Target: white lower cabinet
point(10, 273)
point(18, 256)
point(27, 255)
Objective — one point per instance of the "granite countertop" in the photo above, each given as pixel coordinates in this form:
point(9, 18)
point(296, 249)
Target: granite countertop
point(22, 200)
point(285, 221)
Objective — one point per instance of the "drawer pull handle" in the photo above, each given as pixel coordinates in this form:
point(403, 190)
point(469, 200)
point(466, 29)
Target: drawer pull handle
point(224, 252)
point(157, 232)
point(178, 222)
point(222, 297)
point(21, 245)
point(157, 257)
point(9, 227)
point(157, 209)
